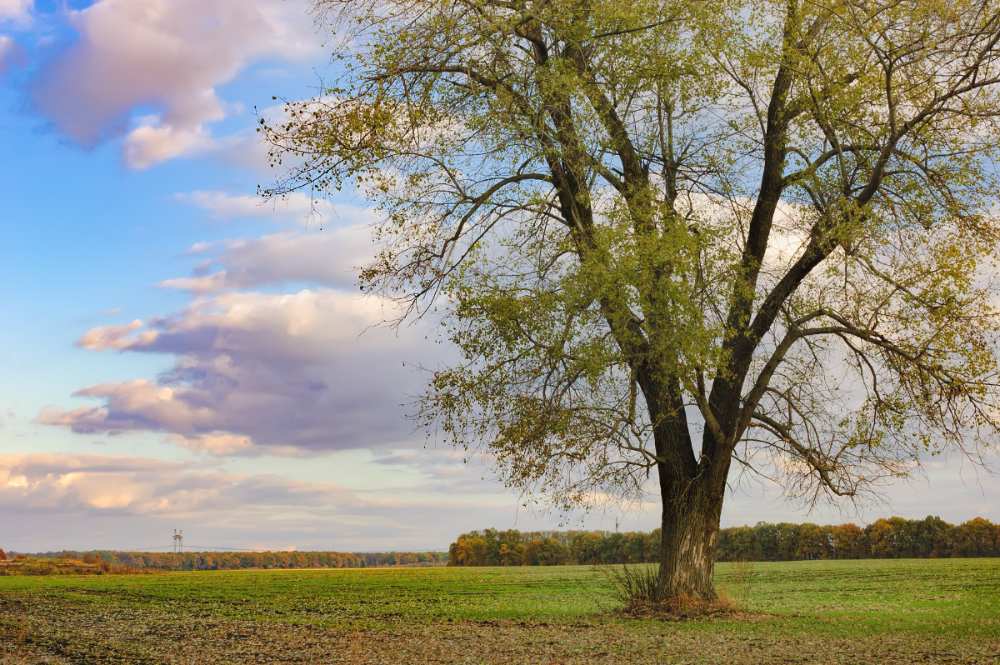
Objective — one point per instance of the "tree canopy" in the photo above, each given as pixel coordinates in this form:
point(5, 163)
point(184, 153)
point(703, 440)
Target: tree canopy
point(668, 235)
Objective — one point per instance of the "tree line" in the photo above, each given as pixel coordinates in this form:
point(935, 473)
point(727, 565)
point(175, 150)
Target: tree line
point(887, 538)
point(248, 560)
point(491, 547)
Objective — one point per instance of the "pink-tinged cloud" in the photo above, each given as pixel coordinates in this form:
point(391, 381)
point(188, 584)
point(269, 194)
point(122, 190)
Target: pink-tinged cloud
point(165, 55)
point(15, 10)
point(257, 373)
point(296, 207)
point(134, 485)
point(111, 337)
point(11, 54)
point(328, 258)
point(54, 502)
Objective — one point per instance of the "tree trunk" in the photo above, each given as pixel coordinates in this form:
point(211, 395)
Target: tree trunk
point(689, 532)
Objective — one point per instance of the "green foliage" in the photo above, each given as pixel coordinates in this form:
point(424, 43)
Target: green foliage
point(781, 209)
point(666, 235)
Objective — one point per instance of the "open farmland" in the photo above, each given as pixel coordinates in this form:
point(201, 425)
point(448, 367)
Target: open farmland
point(878, 611)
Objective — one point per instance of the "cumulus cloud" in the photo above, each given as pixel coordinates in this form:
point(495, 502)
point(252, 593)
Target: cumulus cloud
point(258, 373)
point(154, 142)
point(15, 10)
point(252, 372)
point(167, 55)
point(327, 258)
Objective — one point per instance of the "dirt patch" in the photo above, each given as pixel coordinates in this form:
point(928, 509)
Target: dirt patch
point(64, 634)
point(48, 567)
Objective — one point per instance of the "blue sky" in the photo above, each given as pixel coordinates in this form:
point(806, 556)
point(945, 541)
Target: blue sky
point(178, 354)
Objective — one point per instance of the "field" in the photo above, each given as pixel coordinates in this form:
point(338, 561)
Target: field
point(878, 611)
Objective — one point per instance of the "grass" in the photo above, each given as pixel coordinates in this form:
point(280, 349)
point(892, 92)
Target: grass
point(885, 612)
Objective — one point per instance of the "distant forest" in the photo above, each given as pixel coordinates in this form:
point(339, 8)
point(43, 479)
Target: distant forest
point(891, 538)
point(248, 560)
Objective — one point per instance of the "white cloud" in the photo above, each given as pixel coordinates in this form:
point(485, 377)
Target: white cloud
point(15, 10)
point(152, 142)
point(327, 258)
point(296, 207)
point(254, 373)
point(257, 373)
point(167, 55)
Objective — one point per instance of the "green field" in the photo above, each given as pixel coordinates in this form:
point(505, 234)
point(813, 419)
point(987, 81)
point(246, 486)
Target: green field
point(877, 611)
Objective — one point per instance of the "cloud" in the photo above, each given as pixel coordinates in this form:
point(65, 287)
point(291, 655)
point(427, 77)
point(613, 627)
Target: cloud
point(165, 55)
point(258, 373)
point(448, 472)
point(251, 373)
point(328, 258)
point(295, 207)
point(15, 10)
point(11, 54)
point(133, 485)
point(152, 142)
point(53, 501)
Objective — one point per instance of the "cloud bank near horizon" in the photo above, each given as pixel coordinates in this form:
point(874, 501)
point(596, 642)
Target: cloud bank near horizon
point(57, 501)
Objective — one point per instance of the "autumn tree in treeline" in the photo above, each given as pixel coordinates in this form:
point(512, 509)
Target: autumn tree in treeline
point(892, 538)
point(551, 548)
point(251, 560)
point(673, 240)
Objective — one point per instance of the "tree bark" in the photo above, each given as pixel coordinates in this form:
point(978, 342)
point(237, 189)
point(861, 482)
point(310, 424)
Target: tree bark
point(689, 531)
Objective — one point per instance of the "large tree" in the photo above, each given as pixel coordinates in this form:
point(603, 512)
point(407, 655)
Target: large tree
point(671, 235)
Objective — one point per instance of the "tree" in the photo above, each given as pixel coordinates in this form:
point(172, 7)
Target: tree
point(891, 538)
point(814, 542)
point(848, 542)
point(667, 236)
point(925, 535)
point(975, 538)
point(738, 544)
point(545, 552)
point(586, 548)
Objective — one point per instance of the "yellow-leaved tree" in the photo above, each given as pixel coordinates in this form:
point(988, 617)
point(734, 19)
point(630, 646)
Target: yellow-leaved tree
point(678, 240)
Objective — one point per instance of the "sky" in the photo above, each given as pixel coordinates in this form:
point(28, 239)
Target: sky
point(178, 353)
